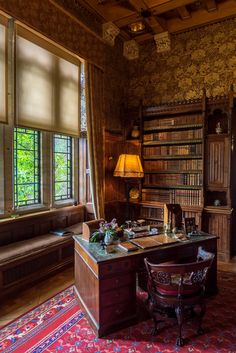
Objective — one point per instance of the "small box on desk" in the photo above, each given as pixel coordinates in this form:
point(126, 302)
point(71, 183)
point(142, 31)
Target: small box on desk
point(89, 227)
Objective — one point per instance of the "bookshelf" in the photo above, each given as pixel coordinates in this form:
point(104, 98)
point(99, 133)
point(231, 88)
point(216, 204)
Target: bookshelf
point(188, 157)
point(219, 214)
point(172, 153)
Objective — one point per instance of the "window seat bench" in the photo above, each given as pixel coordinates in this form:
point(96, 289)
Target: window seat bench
point(29, 252)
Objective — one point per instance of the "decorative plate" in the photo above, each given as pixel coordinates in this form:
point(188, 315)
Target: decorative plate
point(134, 193)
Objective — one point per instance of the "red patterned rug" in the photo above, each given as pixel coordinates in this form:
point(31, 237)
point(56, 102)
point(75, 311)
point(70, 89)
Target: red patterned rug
point(59, 325)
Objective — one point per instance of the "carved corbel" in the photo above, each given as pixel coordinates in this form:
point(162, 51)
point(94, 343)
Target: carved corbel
point(110, 32)
point(131, 49)
point(162, 41)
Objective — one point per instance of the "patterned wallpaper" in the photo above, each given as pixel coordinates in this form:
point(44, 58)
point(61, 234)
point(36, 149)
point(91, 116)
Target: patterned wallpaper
point(49, 20)
point(204, 57)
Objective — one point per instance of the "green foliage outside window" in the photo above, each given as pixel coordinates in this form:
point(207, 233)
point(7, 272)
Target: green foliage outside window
point(62, 167)
point(26, 167)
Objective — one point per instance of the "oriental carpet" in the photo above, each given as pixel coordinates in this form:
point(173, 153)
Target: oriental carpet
point(59, 325)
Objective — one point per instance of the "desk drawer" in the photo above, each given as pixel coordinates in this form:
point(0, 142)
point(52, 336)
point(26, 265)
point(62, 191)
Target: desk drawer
point(118, 312)
point(116, 267)
point(119, 295)
point(117, 282)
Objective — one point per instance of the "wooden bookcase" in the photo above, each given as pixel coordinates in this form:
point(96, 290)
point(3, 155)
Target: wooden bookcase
point(219, 215)
point(172, 153)
point(188, 159)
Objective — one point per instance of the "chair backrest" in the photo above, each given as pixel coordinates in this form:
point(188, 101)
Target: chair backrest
point(173, 215)
point(180, 279)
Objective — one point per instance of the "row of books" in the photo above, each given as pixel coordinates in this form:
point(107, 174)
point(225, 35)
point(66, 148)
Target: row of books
point(192, 179)
point(173, 165)
point(182, 150)
point(173, 121)
point(174, 135)
point(183, 197)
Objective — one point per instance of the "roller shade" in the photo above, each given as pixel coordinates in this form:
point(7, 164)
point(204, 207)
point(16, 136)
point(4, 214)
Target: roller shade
point(47, 85)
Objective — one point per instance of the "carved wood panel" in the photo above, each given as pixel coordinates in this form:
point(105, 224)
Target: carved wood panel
point(217, 166)
point(219, 224)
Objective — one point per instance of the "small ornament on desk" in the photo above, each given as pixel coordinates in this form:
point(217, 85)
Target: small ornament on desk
point(218, 128)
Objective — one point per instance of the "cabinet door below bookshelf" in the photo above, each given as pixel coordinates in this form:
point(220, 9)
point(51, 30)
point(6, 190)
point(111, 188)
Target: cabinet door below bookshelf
point(219, 224)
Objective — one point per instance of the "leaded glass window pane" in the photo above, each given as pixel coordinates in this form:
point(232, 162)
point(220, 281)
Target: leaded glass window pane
point(26, 167)
point(62, 167)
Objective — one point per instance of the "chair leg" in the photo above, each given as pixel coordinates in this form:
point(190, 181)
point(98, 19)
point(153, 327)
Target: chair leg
point(156, 322)
point(200, 314)
point(180, 317)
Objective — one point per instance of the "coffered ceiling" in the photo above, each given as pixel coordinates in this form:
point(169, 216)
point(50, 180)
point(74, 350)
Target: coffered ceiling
point(156, 16)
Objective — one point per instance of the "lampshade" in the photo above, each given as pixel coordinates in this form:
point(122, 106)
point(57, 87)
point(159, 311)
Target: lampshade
point(129, 166)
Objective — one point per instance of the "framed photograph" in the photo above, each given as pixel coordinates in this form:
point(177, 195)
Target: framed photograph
point(190, 225)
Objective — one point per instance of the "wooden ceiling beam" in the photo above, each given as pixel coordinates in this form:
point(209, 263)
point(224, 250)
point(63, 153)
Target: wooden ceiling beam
point(211, 5)
point(170, 5)
point(183, 13)
point(151, 21)
point(125, 21)
point(203, 17)
point(156, 25)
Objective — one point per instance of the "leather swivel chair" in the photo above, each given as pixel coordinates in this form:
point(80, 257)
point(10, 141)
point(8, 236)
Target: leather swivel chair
point(178, 288)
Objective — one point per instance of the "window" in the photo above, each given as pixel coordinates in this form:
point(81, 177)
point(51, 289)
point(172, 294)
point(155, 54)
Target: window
point(40, 143)
point(26, 167)
point(62, 167)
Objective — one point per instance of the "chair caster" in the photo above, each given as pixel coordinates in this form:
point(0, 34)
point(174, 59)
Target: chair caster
point(179, 342)
point(200, 331)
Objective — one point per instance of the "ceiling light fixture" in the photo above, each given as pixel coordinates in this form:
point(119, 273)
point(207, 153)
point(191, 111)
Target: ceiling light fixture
point(137, 27)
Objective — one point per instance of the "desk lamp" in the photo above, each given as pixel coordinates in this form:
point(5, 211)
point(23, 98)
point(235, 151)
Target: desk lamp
point(129, 167)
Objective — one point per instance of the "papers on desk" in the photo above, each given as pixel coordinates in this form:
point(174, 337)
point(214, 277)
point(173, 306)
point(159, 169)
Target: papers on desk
point(153, 241)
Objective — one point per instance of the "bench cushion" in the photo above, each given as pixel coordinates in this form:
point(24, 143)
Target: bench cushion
point(21, 249)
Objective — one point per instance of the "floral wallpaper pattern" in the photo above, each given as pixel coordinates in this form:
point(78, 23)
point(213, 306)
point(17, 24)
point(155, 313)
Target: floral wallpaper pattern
point(204, 57)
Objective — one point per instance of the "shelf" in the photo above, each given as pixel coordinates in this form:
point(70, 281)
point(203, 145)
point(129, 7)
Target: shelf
point(223, 135)
point(176, 142)
point(173, 127)
point(154, 219)
point(175, 172)
point(184, 187)
point(187, 156)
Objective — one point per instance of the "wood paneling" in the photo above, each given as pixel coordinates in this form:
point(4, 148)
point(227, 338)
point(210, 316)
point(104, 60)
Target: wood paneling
point(219, 224)
point(217, 156)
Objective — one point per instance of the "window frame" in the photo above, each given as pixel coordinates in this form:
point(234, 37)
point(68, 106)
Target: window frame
point(37, 161)
point(79, 155)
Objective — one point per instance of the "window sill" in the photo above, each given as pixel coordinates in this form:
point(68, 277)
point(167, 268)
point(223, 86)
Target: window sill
point(31, 213)
point(64, 203)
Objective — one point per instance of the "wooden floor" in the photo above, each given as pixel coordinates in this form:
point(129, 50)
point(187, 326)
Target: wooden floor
point(17, 305)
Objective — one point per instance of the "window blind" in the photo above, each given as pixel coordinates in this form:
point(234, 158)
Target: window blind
point(47, 85)
point(3, 70)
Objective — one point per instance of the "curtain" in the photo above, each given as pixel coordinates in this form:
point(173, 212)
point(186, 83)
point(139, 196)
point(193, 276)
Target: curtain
point(3, 108)
point(95, 130)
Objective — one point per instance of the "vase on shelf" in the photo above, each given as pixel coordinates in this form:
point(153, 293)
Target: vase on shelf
point(218, 128)
point(135, 133)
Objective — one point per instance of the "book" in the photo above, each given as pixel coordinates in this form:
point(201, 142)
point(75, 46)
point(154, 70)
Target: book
point(127, 246)
point(61, 232)
point(153, 241)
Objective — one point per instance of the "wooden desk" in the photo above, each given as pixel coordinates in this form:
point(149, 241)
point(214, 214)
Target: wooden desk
point(106, 283)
